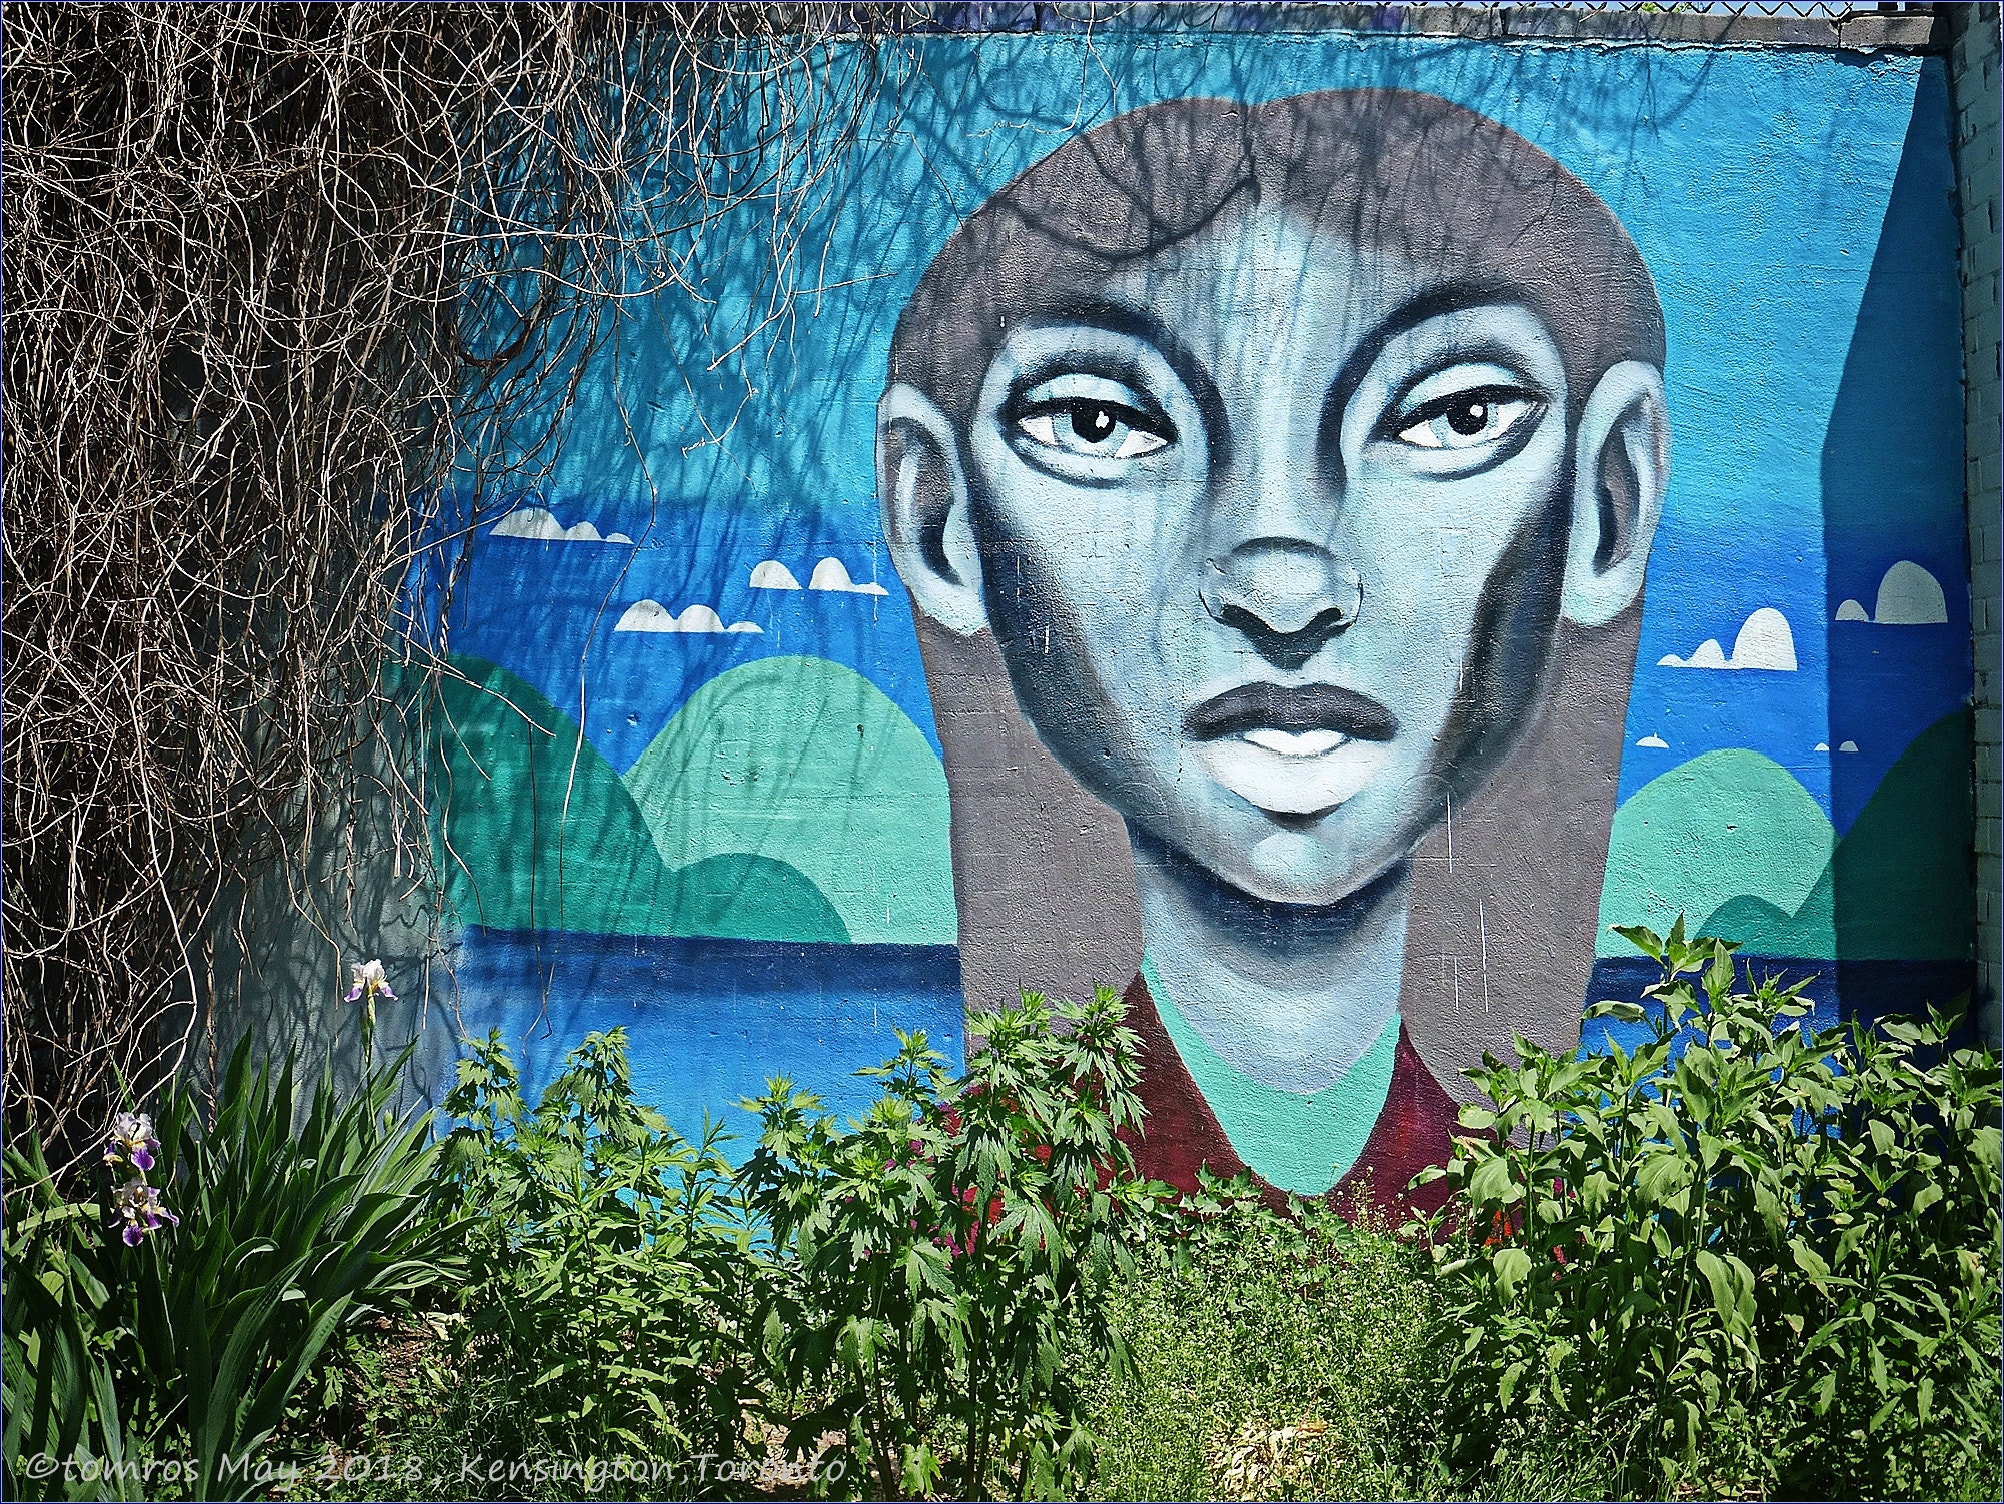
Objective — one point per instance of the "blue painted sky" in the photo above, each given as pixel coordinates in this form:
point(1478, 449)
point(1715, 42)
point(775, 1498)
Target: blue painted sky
point(1793, 207)
point(547, 611)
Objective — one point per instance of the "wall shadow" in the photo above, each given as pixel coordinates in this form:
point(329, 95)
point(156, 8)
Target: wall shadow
point(1903, 898)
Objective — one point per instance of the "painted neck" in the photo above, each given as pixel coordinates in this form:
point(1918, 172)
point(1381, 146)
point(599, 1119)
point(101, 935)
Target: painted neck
point(1290, 997)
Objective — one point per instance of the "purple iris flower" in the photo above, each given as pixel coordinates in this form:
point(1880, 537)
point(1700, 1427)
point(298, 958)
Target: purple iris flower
point(132, 1141)
point(138, 1206)
point(370, 983)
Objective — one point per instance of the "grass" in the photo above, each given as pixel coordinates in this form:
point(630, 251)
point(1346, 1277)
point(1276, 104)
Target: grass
point(1250, 1373)
point(1253, 1372)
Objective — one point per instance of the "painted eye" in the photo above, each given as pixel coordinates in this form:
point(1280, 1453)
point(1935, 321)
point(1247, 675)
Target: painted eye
point(1466, 419)
point(1093, 426)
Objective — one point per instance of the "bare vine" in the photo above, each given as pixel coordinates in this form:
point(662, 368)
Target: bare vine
point(278, 278)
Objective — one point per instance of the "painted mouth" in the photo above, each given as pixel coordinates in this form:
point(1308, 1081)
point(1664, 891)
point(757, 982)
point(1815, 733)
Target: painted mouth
point(1299, 715)
point(1293, 752)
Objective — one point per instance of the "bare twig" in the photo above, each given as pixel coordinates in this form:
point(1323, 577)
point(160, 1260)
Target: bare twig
point(278, 278)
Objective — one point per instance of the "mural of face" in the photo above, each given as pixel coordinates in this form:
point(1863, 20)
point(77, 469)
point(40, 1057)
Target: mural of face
point(1277, 519)
point(1256, 556)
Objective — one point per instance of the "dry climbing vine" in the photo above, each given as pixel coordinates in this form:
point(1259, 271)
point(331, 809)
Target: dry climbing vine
point(278, 277)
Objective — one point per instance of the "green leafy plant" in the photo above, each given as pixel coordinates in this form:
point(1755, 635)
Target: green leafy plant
point(610, 1258)
point(935, 1260)
point(59, 1396)
point(1747, 1227)
point(188, 1344)
point(1899, 1327)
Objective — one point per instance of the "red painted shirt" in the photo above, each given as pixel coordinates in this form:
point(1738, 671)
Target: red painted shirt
point(1181, 1132)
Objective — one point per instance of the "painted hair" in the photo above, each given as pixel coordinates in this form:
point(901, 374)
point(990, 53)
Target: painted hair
point(1393, 170)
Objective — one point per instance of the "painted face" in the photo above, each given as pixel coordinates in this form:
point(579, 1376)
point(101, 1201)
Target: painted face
point(1254, 526)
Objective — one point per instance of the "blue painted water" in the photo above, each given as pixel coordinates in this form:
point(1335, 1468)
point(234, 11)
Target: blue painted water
point(710, 1021)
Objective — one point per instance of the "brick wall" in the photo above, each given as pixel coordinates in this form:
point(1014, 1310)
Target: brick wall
point(1973, 80)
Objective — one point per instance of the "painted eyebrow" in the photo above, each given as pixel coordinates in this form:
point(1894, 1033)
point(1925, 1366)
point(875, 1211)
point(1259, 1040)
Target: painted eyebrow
point(1456, 297)
point(1138, 324)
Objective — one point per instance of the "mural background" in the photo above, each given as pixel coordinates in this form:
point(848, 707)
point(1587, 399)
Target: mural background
point(735, 841)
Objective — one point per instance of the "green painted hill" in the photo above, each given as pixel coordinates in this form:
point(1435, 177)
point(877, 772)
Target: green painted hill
point(1729, 827)
point(1904, 886)
point(538, 832)
point(1897, 887)
point(806, 762)
point(1764, 930)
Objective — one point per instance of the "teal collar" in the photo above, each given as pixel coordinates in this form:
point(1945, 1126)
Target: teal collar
point(1299, 1141)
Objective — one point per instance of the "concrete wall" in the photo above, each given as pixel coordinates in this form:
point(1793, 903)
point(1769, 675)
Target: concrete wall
point(1306, 529)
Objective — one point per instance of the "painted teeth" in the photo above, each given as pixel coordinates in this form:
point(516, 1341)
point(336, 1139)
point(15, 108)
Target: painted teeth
point(1296, 743)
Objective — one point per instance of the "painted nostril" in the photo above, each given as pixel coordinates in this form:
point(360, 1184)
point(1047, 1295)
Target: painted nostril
point(1339, 604)
point(1308, 623)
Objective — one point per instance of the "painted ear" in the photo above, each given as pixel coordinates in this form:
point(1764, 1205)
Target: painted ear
point(923, 491)
point(1622, 465)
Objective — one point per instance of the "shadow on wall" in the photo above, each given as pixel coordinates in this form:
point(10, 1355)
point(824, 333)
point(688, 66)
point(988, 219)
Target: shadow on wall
point(1897, 617)
point(284, 947)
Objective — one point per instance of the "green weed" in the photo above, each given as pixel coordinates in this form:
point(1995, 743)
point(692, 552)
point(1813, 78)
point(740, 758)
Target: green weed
point(1772, 1250)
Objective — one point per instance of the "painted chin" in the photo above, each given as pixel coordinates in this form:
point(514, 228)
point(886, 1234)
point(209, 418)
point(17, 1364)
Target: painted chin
point(1292, 775)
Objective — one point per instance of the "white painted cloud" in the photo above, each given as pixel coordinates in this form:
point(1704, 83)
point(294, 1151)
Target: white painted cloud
point(833, 574)
point(652, 616)
point(770, 574)
point(1822, 747)
point(1764, 642)
point(540, 522)
point(1708, 655)
point(1651, 740)
point(1847, 746)
point(1853, 611)
point(1910, 597)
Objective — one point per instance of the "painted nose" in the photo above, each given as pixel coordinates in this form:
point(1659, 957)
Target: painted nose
point(1288, 598)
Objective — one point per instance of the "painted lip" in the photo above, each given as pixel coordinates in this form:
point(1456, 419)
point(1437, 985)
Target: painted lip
point(1293, 709)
